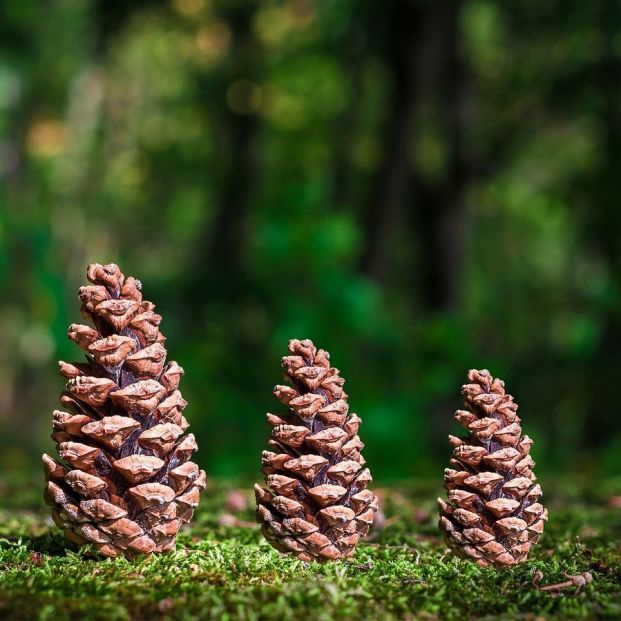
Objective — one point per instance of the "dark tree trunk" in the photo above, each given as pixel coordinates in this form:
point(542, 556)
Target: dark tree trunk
point(405, 27)
point(112, 15)
point(602, 229)
point(348, 124)
point(440, 209)
point(221, 242)
point(425, 63)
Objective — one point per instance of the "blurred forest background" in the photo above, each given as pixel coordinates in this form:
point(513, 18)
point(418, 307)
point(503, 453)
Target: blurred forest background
point(420, 186)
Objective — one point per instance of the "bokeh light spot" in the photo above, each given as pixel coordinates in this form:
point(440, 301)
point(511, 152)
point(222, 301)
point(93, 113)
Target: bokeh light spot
point(46, 138)
point(189, 8)
point(213, 41)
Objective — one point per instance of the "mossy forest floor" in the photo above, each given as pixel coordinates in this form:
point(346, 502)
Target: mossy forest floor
point(222, 568)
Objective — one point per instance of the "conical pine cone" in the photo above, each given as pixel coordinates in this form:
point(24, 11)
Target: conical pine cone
point(493, 515)
point(316, 505)
point(125, 483)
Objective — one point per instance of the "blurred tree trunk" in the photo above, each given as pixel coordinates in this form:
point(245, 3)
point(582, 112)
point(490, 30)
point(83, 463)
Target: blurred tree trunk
point(425, 63)
point(224, 247)
point(110, 16)
point(403, 57)
point(440, 208)
point(221, 241)
point(602, 227)
point(347, 126)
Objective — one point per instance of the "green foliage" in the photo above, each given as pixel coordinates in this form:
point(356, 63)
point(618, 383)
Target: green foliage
point(229, 572)
point(283, 169)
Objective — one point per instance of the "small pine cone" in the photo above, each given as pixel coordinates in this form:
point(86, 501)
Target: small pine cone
point(493, 515)
point(316, 505)
point(125, 483)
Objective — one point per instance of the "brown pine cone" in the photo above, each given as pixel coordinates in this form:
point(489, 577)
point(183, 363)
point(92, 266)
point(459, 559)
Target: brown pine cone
point(316, 504)
point(125, 483)
point(493, 515)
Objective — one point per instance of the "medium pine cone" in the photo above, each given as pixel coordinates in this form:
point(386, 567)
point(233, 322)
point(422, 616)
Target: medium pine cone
point(125, 483)
point(316, 505)
point(493, 515)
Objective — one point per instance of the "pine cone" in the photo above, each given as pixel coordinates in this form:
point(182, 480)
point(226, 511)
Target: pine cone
point(493, 515)
point(316, 505)
point(125, 483)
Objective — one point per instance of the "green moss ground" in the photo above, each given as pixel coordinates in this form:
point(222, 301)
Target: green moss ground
point(227, 571)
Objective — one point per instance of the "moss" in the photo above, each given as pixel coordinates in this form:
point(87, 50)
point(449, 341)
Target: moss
point(229, 572)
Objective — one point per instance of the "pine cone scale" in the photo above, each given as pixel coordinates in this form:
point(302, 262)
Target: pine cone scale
point(126, 484)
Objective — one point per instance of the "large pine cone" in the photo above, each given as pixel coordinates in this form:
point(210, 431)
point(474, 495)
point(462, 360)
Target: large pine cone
point(493, 515)
point(125, 483)
point(316, 505)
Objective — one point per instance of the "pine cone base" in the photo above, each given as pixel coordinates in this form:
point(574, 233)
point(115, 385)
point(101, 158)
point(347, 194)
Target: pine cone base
point(493, 514)
point(125, 482)
point(316, 505)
